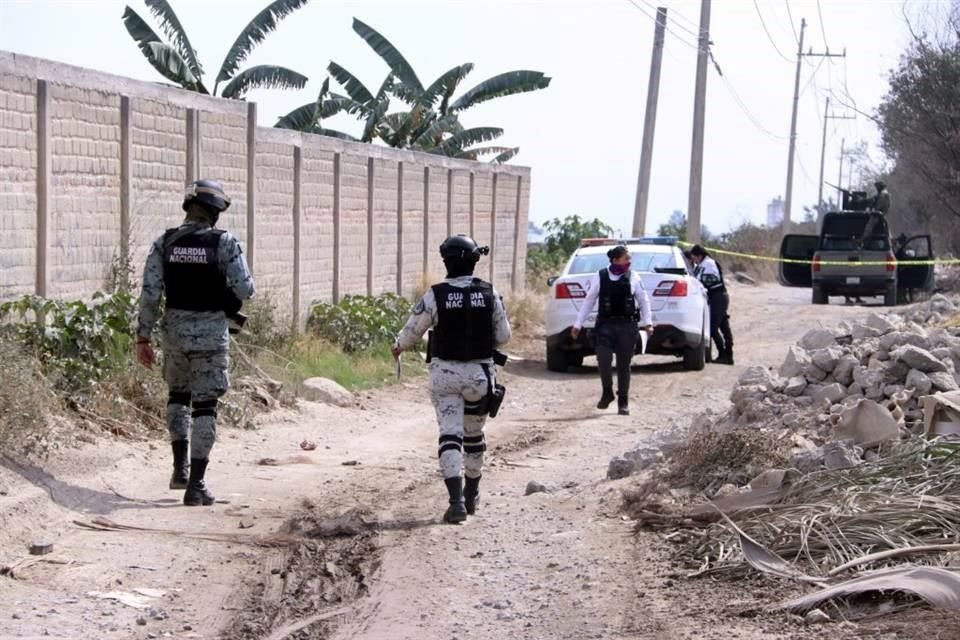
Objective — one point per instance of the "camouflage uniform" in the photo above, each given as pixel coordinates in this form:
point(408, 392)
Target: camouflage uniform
point(455, 386)
point(195, 343)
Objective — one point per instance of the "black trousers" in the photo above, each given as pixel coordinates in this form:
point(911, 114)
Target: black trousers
point(616, 336)
point(719, 303)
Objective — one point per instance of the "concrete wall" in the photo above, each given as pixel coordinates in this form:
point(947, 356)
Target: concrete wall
point(92, 167)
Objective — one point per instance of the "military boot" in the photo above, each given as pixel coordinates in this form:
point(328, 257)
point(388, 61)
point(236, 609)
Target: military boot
point(197, 493)
point(605, 398)
point(623, 404)
point(456, 512)
point(471, 494)
point(180, 467)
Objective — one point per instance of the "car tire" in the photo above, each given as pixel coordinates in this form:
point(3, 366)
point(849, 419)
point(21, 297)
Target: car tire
point(890, 295)
point(695, 358)
point(556, 360)
point(574, 359)
point(820, 296)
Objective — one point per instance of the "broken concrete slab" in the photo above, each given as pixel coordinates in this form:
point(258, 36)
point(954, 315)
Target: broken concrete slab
point(843, 372)
point(918, 358)
point(919, 382)
point(818, 339)
point(797, 358)
point(867, 424)
point(841, 454)
point(880, 323)
point(827, 358)
point(795, 386)
point(327, 391)
point(943, 381)
point(831, 393)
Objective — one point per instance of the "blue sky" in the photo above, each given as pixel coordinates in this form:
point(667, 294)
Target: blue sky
point(582, 135)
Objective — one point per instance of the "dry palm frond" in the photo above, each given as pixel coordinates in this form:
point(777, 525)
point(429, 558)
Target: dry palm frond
point(829, 519)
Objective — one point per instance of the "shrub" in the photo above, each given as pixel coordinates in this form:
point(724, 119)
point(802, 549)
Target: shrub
point(26, 402)
point(360, 323)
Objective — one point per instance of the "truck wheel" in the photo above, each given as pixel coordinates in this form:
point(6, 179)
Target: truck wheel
point(695, 358)
point(890, 295)
point(820, 296)
point(556, 360)
point(574, 360)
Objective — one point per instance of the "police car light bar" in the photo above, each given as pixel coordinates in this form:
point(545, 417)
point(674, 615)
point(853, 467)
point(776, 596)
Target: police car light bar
point(661, 240)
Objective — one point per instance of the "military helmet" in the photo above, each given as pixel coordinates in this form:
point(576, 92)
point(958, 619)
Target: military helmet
point(206, 192)
point(879, 185)
point(462, 247)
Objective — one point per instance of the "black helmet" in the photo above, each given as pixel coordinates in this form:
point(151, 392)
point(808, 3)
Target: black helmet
point(208, 193)
point(879, 185)
point(462, 247)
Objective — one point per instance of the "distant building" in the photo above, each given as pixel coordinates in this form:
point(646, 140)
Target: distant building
point(775, 213)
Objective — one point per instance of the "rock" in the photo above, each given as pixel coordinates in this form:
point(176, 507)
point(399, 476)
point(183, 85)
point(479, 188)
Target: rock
point(828, 358)
point(817, 339)
point(795, 386)
point(942, 353)
point(327, 391)
point(537, 487)
point(880, 323)
point(867, 423)
point(142, 621)
point(841, 455)
point(813, 373)
point(811, 392)
point(617, 469)
point(896, 339)
point(891, 390)
point(854, 390)
point(795, 361)
point(756, 376)
point(861, 331)
point(832, 393)
point(803, 401)
point(770, 479)
point(743, 397)
point(918, 358)
point(939, 303)
point(943, 381)
point(743, 278)
point(919, 382)
point(816, 616)
point(41, 548)
point(843, 372)
point(896, 372)
point(807, 461)
point(728, 490)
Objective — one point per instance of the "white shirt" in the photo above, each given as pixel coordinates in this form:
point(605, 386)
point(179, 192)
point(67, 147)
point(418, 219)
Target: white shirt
point(636, 288)
point(708, 267)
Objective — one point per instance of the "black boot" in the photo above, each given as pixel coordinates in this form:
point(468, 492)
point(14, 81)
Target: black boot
point(456, 512)
point(180, 467)
point(471, 494)
point(726, 357)
point(197, 493)
point(605, 399)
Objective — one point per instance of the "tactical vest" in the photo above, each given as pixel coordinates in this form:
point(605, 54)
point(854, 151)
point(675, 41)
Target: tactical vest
point(710, 281)
point(192, 279)
point(464, 328)
point(616, 298)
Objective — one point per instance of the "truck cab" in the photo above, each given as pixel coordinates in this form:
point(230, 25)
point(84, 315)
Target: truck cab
point(853, 255)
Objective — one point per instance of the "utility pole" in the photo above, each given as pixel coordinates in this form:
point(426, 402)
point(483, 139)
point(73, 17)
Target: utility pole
point(699, 104)
point(823, 148)
point(840, 172)
point(649, 123)
point(788, 198)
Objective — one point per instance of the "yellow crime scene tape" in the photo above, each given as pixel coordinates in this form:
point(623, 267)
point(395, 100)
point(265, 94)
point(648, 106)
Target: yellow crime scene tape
point(838, 263)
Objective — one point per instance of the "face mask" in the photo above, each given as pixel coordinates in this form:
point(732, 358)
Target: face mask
point(619, 269)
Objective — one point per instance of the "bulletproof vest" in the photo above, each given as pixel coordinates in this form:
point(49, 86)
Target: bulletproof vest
point(464, 328)
point(192, 279)
point(616, 298)
point(710, 281)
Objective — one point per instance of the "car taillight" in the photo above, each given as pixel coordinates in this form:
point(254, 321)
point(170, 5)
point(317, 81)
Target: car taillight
point(567, 290)
point(891, 262)
point(816, 264)
point(673, 288)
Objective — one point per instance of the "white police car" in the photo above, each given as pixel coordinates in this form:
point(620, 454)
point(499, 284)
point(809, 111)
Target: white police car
point(678, 302)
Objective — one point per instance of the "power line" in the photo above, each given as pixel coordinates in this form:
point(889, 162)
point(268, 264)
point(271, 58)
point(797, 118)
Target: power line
point(694, 33)
point(823, 30)
point(638, 7)
point(743, 106)
point(793, 27)
point(767, 31)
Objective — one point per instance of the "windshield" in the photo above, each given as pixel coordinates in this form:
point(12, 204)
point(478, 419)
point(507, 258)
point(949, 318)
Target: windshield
point(641, 261)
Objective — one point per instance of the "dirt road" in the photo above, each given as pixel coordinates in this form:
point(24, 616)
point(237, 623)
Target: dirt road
point(559, 564)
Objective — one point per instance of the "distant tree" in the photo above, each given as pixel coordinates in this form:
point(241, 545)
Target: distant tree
point(563, 238)
point(676, 226)
point(176, 59)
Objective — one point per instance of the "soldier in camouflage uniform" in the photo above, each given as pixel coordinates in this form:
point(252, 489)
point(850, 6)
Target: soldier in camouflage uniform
point(469, 322)
point(204, 278)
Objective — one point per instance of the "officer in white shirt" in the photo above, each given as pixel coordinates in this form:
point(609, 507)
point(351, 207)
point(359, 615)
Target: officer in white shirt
point(710, 275)
point(621, 298)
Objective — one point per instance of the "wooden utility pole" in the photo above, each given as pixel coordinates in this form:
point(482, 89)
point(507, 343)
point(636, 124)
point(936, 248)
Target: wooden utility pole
point(649, 124)
point(840, 172)
point(823, 148)
point(699, 107)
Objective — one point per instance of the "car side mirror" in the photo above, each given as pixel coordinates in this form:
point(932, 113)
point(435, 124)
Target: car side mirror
point(551, 280)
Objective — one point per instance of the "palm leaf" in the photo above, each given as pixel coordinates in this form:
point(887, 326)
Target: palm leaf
point(263, 77)
point(306, 117)
point(354, 88)
point(455, 143)
point(504, 84)
point(375, 117)
point(431, 135)
point(394, 59)
point(254, 33)
point(159, 54)
point(506, 156)
point(445, 85)
point(476, 152)
point(333, 133)
point(174, 31)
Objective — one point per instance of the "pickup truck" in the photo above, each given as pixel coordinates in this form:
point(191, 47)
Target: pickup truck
point(853, 255)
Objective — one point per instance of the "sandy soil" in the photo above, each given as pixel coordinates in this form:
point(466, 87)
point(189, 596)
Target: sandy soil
point(346, 542)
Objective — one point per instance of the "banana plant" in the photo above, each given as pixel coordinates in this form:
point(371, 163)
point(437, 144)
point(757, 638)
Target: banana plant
point(176, 59)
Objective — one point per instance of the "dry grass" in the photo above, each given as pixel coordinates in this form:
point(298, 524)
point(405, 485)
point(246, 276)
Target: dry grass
point(526, 312)
point(708, 461)
point(27, 403)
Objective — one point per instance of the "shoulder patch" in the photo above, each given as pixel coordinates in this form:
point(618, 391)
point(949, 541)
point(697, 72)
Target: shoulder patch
point(420, 308)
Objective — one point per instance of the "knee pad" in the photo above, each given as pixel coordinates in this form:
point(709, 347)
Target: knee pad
point(205, 408)
point(450, 443)
point(179, 397)
point(474, 444)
